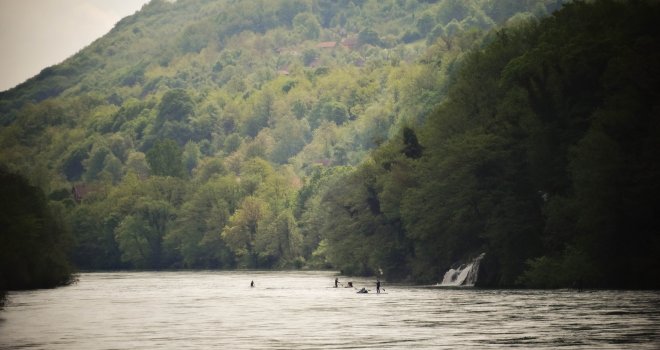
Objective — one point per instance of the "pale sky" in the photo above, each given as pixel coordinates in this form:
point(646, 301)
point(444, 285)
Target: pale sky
point(35, 34)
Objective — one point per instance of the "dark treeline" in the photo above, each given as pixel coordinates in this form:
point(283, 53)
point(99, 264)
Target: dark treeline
point(544, 156)
point(34, 242)
point(393, 138)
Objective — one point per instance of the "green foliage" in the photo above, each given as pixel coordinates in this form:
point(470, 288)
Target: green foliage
point(232, 143)
point(307, 25)
point(134, 76)
point(95, 163)
point(309, 55)
point(141, 214)
point(412, 148)
point(241, 232)
point(195, 235)
point(425, 22)
point(94, 239)
point(572, 268)
point(280, 241)
point(290, 136)
point(369, 36)
point(190, 157)
point(327, 110)
point(195, 37)
point(132, 236)
point(288, 10)
point(73, 164)
point(165, 159)
point(174, 112)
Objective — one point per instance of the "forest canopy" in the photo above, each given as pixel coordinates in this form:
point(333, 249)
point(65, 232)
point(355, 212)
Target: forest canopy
point(391, 138)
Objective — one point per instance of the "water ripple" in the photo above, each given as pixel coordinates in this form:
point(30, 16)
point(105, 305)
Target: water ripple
point(296, 310)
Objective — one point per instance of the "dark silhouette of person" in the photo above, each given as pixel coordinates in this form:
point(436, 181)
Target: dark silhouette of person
point(578, 284)
point(251, 283)
point(336, 282)
point(350, 285)
point(378, 286)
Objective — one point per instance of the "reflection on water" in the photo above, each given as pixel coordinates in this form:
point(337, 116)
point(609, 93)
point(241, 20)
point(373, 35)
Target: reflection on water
point(300, 310)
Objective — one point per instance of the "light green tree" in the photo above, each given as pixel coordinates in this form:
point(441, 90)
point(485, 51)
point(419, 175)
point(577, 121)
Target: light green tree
point(240, 234)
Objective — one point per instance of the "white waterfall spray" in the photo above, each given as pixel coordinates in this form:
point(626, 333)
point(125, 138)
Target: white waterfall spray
point(464, 275)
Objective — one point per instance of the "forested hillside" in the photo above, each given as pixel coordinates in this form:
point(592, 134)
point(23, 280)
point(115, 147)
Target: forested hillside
point(544, 155)
point(376, 137)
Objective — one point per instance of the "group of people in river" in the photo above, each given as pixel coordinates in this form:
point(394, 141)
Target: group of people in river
point(349, 284)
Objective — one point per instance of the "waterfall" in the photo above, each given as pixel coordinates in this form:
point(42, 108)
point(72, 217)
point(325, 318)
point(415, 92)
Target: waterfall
point(464, 275)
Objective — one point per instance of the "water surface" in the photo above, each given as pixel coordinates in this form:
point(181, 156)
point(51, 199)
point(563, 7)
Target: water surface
point(300, 310)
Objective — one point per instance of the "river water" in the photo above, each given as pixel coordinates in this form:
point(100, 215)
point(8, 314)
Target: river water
point(300, 310)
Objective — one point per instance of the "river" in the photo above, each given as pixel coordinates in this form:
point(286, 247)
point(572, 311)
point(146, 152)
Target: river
point(300, 310)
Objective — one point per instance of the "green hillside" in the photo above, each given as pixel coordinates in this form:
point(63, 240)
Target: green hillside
point(377, 137)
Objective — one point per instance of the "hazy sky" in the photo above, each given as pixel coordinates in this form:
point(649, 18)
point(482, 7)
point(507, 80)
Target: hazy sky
point(35, 34)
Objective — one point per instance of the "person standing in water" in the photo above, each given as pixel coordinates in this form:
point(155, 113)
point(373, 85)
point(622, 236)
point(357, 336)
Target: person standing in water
point(251, 283)
point(336, 282)
point(378, 286)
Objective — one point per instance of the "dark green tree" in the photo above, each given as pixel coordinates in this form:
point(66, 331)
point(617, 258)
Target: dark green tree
point(165, 158)
point(174, 112)
point(412, 148)
point(34, 242)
